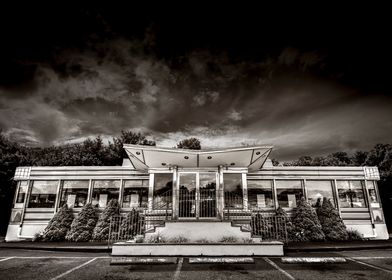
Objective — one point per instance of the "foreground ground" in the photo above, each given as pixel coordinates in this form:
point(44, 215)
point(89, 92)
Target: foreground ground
point(34, 264)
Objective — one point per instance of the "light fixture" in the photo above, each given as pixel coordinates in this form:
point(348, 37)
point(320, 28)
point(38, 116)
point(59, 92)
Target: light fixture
point(186, 157)
point(209, 157)
point(138, 153)
point(163, 164)
point(257, 153)
point(232, 163)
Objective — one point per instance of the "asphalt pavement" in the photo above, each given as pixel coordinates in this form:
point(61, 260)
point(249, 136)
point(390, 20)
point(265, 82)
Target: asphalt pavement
point(40, 264)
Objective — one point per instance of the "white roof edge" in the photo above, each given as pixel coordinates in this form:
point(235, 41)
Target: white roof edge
point(189, 151)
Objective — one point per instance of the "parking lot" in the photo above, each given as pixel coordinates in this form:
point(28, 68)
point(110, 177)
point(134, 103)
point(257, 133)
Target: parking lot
point(33, 264)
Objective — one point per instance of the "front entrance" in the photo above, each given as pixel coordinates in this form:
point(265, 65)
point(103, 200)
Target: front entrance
point(197, 195)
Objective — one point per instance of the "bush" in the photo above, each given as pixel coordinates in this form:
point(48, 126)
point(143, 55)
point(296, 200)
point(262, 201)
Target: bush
point(59, 225)
point(156, 238)
point(353, 235)
point(179, 239)
point(83, 225)
point(229, 239)
point(37, 237)
point(331, 223)
point(306, 226)
point(101, 230)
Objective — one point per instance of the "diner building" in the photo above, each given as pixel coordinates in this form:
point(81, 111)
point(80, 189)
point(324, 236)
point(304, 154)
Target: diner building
point(196, 185)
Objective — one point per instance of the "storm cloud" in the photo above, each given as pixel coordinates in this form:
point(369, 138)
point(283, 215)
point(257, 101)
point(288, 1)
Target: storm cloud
point(292, 98)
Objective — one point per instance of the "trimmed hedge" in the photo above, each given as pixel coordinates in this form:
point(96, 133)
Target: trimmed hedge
point(101, 230)
point(331, 223)
point(59, 225)
point(83, 225)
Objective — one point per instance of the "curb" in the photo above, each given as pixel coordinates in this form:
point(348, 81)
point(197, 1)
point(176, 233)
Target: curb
point(62, 249)
point(141, 260)
point(290, 260)
point(336, 248)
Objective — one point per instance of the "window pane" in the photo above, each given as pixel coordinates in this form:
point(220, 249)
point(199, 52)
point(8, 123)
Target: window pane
point(187, 195)
point(74, 193)
point(135, 193)
point(351, 194)
point(317, 190)
point(377, 215)
point(163, 189)
point(43, 194)
point(289, 192)
point(104, 191)
point(21, 192)
point(372, 194)
point(260, 194)
point(232, 183)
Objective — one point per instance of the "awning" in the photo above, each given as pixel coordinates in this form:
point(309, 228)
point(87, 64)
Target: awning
point(145, 157)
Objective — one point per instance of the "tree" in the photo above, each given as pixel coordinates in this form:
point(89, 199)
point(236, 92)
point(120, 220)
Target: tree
point(83, 225)
point(306, 226)
point(331, 223)
point(59, 225)
point(189, 143)
point(101, 230)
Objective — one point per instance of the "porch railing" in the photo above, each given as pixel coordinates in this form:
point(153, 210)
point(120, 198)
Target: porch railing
point(126, 227)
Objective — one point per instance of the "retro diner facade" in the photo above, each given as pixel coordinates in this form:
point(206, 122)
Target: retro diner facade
point(196, 185)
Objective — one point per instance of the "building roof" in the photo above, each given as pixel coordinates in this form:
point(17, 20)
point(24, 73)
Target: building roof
point(145, 157)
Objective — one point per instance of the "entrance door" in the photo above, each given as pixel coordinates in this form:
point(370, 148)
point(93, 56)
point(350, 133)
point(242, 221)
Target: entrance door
point(187, 195)
point(207, 195)
point(197, 195)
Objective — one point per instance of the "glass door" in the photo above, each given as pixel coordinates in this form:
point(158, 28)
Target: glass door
point(187, 195)
point(207, 195)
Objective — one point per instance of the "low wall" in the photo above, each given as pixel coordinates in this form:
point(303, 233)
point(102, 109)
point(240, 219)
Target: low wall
point(195, 231)
point(272, 248)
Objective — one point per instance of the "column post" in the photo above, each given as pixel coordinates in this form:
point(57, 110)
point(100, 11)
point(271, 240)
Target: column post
point(221, 198)
point(245, 191)
point(150, 191)
point(175, 193)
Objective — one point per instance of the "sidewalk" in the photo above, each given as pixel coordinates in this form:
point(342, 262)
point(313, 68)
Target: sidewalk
point(292, 247)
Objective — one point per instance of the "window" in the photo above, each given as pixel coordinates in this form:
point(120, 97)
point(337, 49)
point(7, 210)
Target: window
point(104, 191)
point(163, 188)
point(22, 190)
point(233, 192)
point(43, 194)
point(317, 190)
point(260, 194)
point(289, 192)
point(135, 193)
point(377, 215)
point(372, 194)
point(351, 194)
point(74, 193)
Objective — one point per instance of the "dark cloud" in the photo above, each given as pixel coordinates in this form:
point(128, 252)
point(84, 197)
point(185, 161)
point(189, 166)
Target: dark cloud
point(227, 82)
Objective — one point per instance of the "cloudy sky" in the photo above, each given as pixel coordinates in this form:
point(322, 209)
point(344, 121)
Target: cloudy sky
point(309, 83)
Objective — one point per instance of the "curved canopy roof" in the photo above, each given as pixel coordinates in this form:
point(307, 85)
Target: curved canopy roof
point(145, 157)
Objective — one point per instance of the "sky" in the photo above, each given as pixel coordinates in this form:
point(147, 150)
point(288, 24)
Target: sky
point(307, 82)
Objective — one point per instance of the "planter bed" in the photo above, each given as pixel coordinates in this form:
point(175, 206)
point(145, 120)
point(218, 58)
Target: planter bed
point(273, 248)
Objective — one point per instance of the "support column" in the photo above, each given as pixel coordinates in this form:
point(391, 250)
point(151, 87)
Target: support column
point(336, 194)
point(121, 193)
point(175, 193)
point(150, 192)
point(58, 194)
point(245, 191)
point(221, 198)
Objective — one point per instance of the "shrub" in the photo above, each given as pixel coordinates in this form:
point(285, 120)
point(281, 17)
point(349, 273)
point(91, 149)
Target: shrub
point(229, 239)
point(156, 238)
point(59, 225)
point(331, 223)
point(101, 230)
point(203, 241)
point(132, 225)
point(306, 226)
point(179, 239)
point(353, 235)
point(37, 237)
point(83, 225)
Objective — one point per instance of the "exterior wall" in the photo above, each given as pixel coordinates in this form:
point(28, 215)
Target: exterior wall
point(25, 222)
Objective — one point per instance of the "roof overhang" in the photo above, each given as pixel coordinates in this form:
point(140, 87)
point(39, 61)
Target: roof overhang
point(145, 157)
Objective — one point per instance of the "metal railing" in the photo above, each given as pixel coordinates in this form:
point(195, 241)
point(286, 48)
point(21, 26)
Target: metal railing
point(268, 228)
point(126, 227)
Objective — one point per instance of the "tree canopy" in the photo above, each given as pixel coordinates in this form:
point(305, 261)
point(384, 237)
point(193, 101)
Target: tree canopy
point(189, 143)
